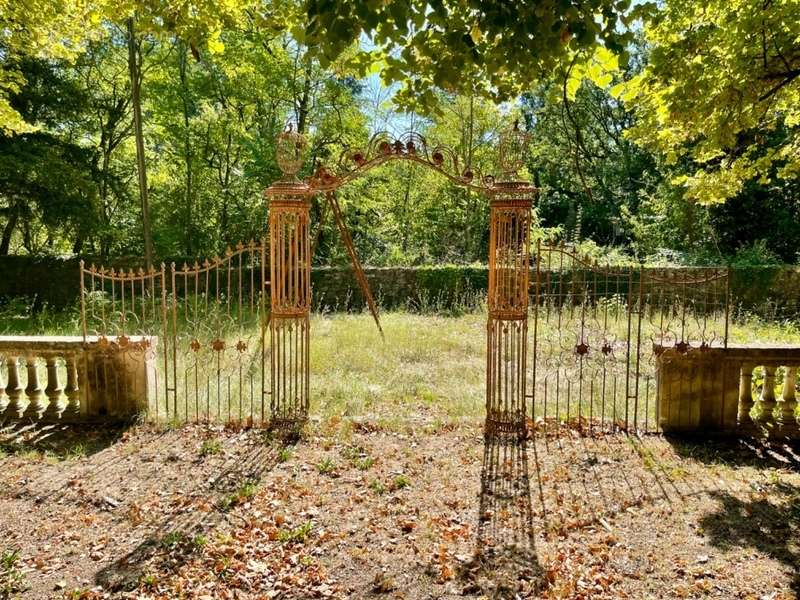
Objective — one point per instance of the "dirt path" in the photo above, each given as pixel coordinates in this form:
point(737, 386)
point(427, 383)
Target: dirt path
point(362, 512)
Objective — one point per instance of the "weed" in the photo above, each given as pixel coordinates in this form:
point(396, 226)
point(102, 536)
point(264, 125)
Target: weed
point(364, 464)
point(326, 466)
point(224, 539)
point(678, 473)
point(12, 581)
point(284, 455)
point(358, 457)
point(222, 566)
point(30, 454)
point(199, 541)
point(172, 424)
point(239, 496)
point(352, 453)
point(172, 539)
point(210, 448)
point(400, 482)
point(298, 534)
point(377, 487)
point(77, 450)
point(149, 581)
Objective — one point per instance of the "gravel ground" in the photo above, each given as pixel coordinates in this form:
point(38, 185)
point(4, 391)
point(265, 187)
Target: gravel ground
point(356, 510)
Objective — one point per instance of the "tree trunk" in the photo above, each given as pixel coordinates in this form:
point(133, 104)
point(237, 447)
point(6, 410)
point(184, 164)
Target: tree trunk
point(303, 102)
point(8, 231)
point(187, 154)
point(136, 101)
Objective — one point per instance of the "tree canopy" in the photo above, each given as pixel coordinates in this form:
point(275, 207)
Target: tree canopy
point(643, 118)
point(720, 90)
point(494, 49)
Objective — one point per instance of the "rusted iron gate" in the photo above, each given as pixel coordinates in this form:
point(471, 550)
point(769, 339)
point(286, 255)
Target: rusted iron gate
point(211, 320)
point(597, 331)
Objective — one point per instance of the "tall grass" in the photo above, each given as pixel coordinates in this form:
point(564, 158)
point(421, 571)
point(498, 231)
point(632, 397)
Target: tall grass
point(430, 367)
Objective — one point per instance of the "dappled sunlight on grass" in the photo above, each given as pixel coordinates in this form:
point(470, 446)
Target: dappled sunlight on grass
point(428, 367)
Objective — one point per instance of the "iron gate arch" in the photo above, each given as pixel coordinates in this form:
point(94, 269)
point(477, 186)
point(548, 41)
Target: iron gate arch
point(207, 313)
point(510, 202)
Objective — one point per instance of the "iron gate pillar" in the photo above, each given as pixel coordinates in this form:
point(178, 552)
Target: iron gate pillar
point(509, 279)
point(290, 287)
point(507, 327)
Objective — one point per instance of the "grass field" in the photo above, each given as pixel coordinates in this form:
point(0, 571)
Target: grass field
point(429, 367)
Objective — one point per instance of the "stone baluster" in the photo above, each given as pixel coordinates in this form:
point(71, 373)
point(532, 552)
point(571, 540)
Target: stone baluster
point(13, 389)
point(33, 391)
point(73, 407)
point(745, 395)
point(3, 396)
point(53, 391)
point(788, 403)
point(767, 402)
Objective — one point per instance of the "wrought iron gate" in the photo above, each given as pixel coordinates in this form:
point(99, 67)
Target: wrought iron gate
point(598, 330)
point(210, 319)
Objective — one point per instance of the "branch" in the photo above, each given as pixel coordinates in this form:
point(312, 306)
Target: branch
point(578, 139)
point(789, 76)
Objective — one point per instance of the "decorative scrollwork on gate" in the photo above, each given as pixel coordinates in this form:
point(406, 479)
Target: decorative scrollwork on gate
point(209, 318)
point(218, 321)
point(411, 146)
point(598, 328)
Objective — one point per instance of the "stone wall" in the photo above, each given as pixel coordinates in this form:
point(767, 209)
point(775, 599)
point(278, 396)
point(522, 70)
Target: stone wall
point(715, 390)
point(766, 290)
point(439, 287)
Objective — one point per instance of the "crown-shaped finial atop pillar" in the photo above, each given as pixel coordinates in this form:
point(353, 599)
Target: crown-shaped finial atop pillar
point(513, 146)
point(290, 150)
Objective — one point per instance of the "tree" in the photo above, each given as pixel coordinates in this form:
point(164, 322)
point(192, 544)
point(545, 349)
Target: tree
point(62, 28)
point(720, 94)
point(135, 70)
point(106, 127)
point(47, 183)
point(493, 49)
point(36, 29)
point(589, 174)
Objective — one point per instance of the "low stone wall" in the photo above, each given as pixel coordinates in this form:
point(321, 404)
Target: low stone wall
point(72, 379)
point(772, 291)
point(712, 390)
point(439, 287)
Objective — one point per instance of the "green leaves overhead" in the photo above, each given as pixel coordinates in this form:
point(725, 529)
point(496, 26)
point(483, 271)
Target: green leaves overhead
point(495, 49)
point(721, 91)
point(61, 29)
point(599, 68)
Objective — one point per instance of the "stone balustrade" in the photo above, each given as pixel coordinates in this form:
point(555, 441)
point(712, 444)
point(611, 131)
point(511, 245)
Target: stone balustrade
point(716, 389)
point(69, 378)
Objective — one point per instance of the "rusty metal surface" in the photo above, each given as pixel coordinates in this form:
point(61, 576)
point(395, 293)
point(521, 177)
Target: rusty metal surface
point(351, 251)
point(212, 318)
point(214, 365)
point(598, 330)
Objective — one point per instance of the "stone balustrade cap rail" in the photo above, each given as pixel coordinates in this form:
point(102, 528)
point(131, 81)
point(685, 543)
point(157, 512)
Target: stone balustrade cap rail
point(739, 347)
point(39, 343)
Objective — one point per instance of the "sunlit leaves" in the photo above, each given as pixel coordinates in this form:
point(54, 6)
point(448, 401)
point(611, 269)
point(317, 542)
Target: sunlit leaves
point(496, 50)
point(721, 89)
point(61, 29)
